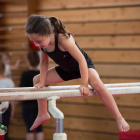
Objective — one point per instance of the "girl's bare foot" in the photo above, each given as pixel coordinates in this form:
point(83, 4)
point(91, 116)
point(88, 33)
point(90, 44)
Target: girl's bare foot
point(123, 125)
point(39, 120)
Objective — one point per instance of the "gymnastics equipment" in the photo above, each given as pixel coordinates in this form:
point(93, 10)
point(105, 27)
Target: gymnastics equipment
point(31, 93)
point(52, 93)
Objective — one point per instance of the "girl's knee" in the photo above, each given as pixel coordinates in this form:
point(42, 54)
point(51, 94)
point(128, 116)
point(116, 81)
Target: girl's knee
point(36, 79)
point(97, 84)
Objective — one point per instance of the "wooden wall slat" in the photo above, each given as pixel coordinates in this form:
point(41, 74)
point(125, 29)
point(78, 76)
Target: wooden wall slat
point(107, 28)
point(97, 111)
point(12, 37)
point(115, 56)
point(12, 28)
point(83, 124)
point(14, 47)
point(17, 1)
point(14, 7)
point(108, 42)
point(88, 15)
point(11, 14)
point(122, 100)
point(62, 4)
point(8, 19)
point(118, 70)
point(21, 39)
point(14, 32)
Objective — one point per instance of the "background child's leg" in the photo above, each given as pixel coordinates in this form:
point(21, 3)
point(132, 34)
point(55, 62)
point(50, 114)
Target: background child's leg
point(107, 98)
point(43, 115)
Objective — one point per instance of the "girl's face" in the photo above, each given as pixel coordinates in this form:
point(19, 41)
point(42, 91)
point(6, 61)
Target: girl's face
point(7, 61)
point(39, 41)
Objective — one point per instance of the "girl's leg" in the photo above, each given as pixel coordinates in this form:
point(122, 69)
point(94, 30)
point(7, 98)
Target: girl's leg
point(43, 115)
point(40, 136)
point(30, 136)
point(107, 98)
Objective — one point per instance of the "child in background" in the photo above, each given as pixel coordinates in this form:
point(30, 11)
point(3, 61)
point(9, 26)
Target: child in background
point(30, 108)
point(6, 59)
point(50, 35)
point(6, 82)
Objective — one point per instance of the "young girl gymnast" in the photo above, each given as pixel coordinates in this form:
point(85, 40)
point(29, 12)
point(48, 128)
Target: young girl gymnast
point(50, 35)
point(6, 59)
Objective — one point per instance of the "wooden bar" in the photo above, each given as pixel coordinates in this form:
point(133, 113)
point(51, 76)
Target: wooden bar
point(69, 87)
point(19, 94)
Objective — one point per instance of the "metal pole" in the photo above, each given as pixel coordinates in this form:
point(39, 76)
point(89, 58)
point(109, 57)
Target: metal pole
point(59, 125)
point(56, 113)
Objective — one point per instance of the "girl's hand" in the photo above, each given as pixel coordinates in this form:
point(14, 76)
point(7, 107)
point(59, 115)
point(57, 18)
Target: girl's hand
point(18, 61)
point(84, 90)
point(39, 85)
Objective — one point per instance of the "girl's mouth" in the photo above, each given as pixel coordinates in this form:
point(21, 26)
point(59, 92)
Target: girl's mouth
point(42, 47)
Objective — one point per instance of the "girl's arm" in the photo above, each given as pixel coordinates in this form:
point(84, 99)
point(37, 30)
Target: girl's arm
point(15, 66)
point(44, 64)
point(70, 46)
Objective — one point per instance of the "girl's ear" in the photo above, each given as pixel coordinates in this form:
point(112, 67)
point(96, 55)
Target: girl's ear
point(50, 34)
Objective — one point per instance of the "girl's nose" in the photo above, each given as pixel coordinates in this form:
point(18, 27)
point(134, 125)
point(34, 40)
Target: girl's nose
point(37, 44)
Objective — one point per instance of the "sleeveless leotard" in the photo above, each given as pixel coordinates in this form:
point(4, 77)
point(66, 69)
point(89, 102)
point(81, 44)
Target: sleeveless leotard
point(66, 62)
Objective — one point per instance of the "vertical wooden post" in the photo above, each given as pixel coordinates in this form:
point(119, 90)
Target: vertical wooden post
point(31, 7)
point(31, 10)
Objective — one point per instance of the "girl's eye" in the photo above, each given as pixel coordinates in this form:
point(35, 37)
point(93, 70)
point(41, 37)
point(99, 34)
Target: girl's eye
point(39, 42)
